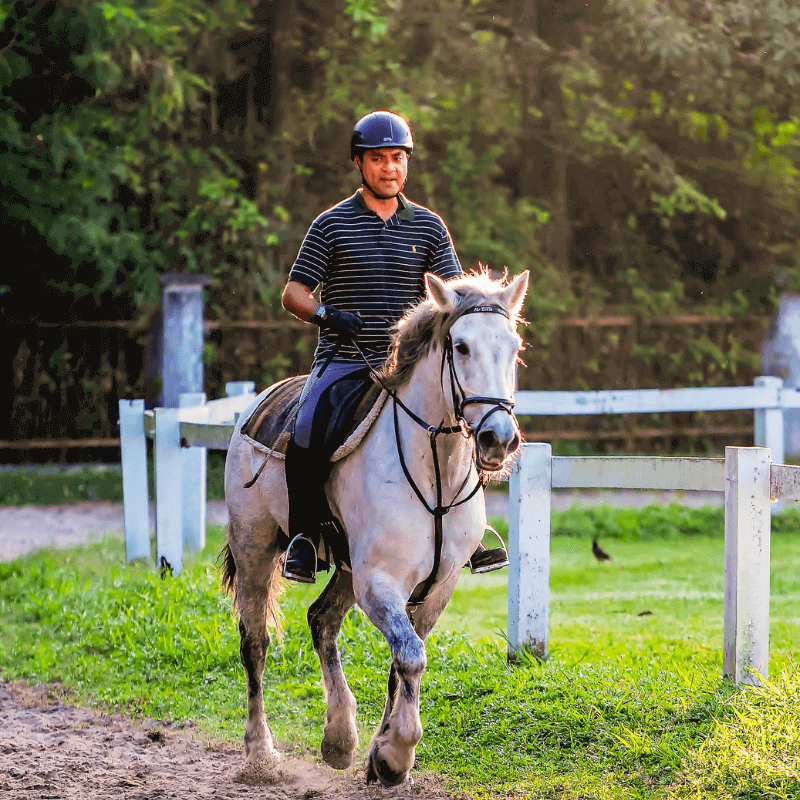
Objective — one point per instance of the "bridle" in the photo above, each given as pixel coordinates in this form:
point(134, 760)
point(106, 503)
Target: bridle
point(459, 396)
point(460, 402)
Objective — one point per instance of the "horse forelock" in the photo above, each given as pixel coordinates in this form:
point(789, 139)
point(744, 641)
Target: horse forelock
point(425, 325)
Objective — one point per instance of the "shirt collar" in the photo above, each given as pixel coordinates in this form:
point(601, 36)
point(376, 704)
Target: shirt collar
point(404, 209)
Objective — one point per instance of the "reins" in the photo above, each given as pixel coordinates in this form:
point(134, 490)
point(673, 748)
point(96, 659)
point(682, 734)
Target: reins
point(459, 404)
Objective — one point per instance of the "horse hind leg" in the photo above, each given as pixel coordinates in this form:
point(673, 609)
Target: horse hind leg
point(255, 576)
point(325, 617)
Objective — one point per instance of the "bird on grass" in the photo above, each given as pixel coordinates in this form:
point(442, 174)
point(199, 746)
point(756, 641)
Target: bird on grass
point(598, 552)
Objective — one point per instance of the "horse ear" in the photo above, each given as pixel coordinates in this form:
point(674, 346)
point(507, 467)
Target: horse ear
point(444, 298)
point(514, 293)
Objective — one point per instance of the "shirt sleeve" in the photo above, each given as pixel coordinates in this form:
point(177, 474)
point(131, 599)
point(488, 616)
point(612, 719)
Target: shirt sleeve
point(311, 264)
point(445, 261)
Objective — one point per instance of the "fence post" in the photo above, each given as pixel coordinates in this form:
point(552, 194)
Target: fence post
point(182, 335)
point(194, 464)
point(135, 501)
point(236, 388)
point(770, 430)
point(169, 490)
point(529, 551)
point(747, 548)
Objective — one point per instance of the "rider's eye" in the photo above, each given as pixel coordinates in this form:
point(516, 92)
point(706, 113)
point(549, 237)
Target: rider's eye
point(462, 349)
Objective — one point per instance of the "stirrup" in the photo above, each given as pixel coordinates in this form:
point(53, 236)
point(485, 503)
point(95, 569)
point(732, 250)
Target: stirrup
point(500, 553)
point(295, 576)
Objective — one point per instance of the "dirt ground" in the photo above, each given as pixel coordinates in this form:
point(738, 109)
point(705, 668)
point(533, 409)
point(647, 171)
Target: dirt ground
point(50, 750)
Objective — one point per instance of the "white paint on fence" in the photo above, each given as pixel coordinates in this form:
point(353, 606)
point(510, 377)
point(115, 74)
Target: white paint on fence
point(134, 479)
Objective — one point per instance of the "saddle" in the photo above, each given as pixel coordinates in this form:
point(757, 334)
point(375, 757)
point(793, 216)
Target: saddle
point(355, 403)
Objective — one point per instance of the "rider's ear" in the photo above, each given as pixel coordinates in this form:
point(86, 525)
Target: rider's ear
point(444, 298)
point(514, 293)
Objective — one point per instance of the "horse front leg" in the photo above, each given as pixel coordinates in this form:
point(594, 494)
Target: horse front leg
point(391, 753)
point(325, 617)
point(423, 618)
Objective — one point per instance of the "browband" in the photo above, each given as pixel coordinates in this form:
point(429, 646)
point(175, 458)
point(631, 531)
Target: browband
point(487, 310)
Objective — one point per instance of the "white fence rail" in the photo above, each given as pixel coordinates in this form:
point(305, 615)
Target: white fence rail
point(747, 476)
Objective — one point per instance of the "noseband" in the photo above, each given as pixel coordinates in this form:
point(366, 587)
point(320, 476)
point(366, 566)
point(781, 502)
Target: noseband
point(460, 399)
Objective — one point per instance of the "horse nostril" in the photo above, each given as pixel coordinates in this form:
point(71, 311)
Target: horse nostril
point(487, 439)
point(514, 445)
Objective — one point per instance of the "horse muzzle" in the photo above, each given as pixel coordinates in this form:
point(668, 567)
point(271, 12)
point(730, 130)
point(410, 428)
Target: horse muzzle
point(497, 436)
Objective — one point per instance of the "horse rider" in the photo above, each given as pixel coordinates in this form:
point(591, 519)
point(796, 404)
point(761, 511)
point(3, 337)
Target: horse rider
point(368, 255)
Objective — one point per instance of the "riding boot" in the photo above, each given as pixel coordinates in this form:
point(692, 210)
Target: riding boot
point(304, 485)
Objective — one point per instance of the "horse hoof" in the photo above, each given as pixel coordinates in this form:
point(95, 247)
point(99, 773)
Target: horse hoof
point(265, 769)
point(336, 757)
point(378, 769)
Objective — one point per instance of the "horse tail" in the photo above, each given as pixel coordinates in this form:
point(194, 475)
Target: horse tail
point(276, 588)
point(228, 568)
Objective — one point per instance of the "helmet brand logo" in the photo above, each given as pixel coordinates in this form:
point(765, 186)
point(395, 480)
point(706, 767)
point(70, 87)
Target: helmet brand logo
point(387, 138)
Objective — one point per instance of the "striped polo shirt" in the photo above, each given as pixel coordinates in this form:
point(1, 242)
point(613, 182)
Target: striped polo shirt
point(373, 267)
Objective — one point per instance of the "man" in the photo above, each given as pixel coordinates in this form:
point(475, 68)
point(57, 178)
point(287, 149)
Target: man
point(368, 254)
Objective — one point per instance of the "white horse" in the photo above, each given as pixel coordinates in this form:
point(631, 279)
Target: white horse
point(410, 498)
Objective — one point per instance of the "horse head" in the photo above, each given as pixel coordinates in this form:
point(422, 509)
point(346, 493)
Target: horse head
point(480, 356)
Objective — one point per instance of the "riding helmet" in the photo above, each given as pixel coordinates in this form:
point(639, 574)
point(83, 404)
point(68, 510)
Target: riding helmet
point(380, 129)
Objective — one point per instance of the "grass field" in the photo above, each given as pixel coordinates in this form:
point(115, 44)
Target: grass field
point(626, 706)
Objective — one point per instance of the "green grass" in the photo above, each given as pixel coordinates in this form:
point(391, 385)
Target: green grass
point(625, 707)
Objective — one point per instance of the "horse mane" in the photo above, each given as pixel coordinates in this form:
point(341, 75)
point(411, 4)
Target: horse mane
point(425, 324)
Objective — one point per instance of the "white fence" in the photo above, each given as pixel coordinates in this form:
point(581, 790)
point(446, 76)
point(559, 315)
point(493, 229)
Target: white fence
point(750, 483)
point(747, 476)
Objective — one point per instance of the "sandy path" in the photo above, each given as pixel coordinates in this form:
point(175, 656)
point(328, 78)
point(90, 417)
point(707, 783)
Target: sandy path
point(50, 750)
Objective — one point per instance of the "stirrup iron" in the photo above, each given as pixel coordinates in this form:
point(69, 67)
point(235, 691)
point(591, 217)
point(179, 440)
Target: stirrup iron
point(291, 575)
point(500, 564)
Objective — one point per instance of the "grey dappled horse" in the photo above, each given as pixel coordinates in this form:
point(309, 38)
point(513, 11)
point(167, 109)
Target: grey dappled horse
point(411, 503)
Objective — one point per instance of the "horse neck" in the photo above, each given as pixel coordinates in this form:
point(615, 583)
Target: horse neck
point(426, 394)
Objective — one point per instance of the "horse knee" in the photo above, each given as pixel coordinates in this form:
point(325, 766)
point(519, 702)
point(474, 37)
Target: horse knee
point(410, 658)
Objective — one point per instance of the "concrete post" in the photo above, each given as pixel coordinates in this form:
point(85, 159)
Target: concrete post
point(747, 554)
point(169, 491)
point(135, 501)
point(194, 469)
point(182, 336)
point(769, 430)
point(780, 357)
point(529, 550)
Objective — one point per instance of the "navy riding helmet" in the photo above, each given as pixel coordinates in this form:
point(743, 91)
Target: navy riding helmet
point(380, 129)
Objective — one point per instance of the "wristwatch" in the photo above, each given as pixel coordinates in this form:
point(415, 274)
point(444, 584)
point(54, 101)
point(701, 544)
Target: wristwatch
point(320, 315)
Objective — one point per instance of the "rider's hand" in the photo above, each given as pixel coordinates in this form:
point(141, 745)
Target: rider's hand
point(342, 322)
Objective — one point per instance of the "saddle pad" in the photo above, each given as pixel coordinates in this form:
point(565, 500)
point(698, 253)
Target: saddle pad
point(268, 431)
point(270, 416)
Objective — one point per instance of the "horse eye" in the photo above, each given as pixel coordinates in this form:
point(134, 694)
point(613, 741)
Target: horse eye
point(462, 349)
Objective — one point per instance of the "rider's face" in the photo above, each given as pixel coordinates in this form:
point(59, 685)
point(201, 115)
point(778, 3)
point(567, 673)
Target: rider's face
point(384, 170)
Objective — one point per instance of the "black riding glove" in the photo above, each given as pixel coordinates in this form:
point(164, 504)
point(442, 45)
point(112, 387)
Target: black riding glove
point(337, 321)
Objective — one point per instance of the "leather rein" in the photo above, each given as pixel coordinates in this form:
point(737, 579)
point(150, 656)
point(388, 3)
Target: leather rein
point(460, 401)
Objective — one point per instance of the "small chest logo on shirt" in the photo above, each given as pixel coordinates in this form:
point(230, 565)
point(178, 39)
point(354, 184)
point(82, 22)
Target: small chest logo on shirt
point(413, 248)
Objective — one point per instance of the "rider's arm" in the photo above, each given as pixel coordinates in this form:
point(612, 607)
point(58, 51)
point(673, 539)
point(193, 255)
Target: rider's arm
point(299, 300)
